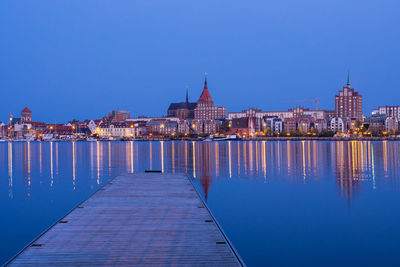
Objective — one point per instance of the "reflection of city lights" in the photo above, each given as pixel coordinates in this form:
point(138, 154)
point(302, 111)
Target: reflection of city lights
point(151, 155)
point(173, 156)
point(216, 159)
point(385, 162)
point(304, 161)
point(229, 155)
point(10, 163)
point(162, 156)
point(98, 161)
point(194, 159)
point(73, 164)
point(186, 157)
point(51, 163)
point(131, 143)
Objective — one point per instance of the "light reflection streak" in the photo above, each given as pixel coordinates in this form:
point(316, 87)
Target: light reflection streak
point(373, 167)
point(186, 157)
point(256, 156)
point(194, 159)
point(162, 156)
point(10, 162)
point(264, 159)
point(51, 164)
point(10, 170)
point(98, 161)
point(29, 162)
point(56, 158)
point(385, 161)
point(251, 156)
point(131, 143)
point(151, 155)
point(109, 157)
point(238, 153)
point(73, 163)
point(230, 159)
point(216, 159)
point(40, 158)
point(245, 157)
point(173, 156)
point(288, 155)
point(304, 161)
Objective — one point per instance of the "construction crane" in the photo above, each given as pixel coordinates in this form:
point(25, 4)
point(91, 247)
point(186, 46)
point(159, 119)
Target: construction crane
point(316, 100)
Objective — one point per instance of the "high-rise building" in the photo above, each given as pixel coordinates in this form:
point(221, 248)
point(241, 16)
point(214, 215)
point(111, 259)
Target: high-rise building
point(348, 104)
point(205, 109)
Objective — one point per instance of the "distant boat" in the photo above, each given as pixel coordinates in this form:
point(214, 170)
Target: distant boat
point(232, 137)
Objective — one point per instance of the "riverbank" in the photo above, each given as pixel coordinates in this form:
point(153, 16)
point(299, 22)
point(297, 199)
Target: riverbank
point(285, 138)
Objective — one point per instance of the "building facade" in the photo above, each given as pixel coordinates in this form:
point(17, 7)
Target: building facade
point(348, 103)
point(182, 110)
point(205, 109)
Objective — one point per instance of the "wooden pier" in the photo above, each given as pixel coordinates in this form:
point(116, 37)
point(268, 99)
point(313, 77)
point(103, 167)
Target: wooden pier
point(135, 220)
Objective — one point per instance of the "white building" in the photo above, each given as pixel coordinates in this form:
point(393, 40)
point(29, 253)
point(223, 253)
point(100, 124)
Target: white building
point(116, 130)
point(291, 113)
point(338, 124)
point(391, 124)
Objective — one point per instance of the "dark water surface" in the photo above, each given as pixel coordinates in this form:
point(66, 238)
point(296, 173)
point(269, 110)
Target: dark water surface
point(309, 203)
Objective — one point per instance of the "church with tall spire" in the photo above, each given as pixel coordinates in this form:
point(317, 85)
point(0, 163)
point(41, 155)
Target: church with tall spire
point(182, 110)
point(205, 109)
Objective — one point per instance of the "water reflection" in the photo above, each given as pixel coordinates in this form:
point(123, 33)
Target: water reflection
point(354, 164)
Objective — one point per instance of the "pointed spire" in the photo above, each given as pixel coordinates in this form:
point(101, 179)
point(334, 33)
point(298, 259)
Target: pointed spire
point(187, 97)
point(348, 79)
point(205, 97)
point(205, 80)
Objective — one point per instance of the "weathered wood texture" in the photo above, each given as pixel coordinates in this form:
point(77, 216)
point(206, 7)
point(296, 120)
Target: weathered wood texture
point(135, 220)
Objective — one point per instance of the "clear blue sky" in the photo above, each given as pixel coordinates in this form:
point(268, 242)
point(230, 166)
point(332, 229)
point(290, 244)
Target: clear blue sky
point(80, 59)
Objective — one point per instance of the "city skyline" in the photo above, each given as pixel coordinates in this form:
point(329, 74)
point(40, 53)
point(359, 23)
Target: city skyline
point(83, 59)
point(189, 97)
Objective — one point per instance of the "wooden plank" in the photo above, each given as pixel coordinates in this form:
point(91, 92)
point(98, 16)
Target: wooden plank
point(136, 219)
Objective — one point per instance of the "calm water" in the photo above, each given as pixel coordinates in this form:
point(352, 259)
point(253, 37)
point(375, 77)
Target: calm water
point(281, 203)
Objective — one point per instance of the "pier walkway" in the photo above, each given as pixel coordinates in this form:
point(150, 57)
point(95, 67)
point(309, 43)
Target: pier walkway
point(135, 220)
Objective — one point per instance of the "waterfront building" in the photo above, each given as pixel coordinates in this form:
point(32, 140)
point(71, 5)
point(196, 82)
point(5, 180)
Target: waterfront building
point(290, 113)
point(116, 130)
point(157, 126)
point(388, 111)
point(119, 115)
point(321, 125)
point(3, 130)
point(171, 128)
point(273, 124)
point(242, 126)
point(348, 103)
point(375, 123)
point(392, 124)
point(26, 115)
point(290, 125)
point(304, 124)
point(184, 127)
point(340, 125)
point(182, 110)
point(205, 109)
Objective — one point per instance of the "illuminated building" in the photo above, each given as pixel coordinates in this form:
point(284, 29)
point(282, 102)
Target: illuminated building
point(348, 103)
point(119, 115)
point(205, 109)
point(182, 110)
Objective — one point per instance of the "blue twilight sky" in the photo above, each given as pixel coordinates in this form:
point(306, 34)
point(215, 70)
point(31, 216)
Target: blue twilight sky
point(80, 59)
